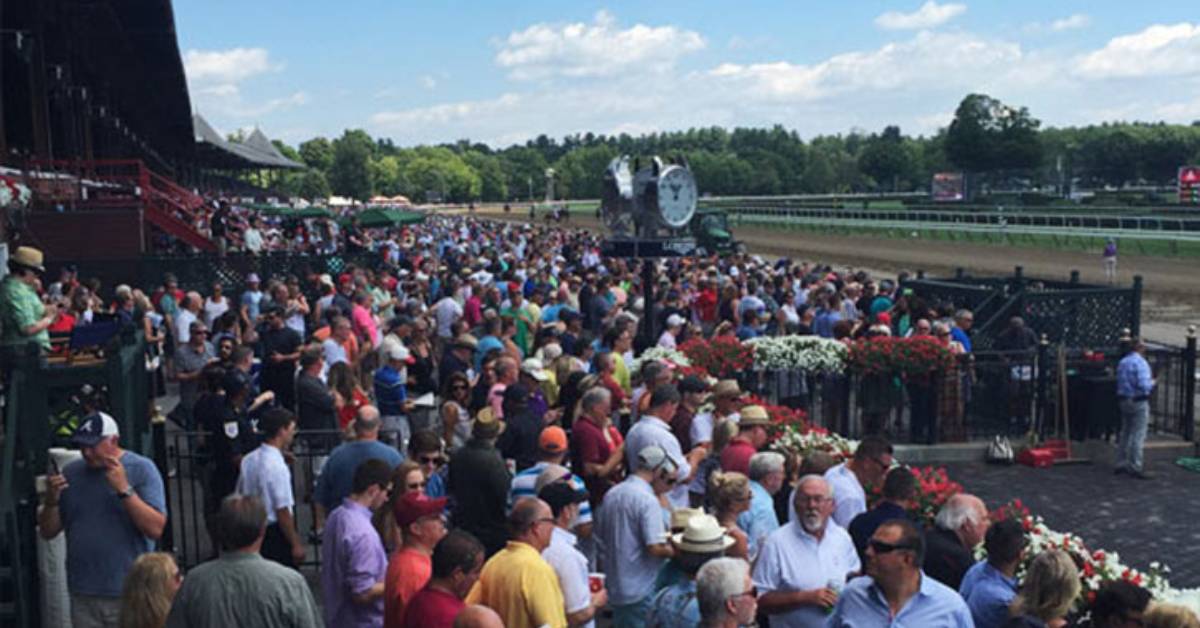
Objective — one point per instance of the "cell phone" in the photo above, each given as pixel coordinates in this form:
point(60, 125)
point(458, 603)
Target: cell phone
point(53, 464)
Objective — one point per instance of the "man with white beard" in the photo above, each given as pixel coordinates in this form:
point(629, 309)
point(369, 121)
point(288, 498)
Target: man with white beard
point(802, 566)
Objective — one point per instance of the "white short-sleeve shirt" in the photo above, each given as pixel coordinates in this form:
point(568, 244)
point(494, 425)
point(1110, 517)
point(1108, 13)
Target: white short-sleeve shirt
point(266, 475)
point(571, 567)
point(791, 559)
point(703, 424)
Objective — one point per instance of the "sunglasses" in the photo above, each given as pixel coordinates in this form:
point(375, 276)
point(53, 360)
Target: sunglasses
point(880, 547)
point(431, 459)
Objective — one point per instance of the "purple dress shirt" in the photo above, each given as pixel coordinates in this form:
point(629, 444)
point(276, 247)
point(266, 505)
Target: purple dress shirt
point(352, 561)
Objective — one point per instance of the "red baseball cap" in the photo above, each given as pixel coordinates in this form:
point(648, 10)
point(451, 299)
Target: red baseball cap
point(413, 506)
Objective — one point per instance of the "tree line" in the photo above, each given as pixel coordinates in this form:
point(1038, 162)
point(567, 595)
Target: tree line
point(996, 143)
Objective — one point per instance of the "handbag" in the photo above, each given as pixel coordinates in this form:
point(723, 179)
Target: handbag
point(1000, 451)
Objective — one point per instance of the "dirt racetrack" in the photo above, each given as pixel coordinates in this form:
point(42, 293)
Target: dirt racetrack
point(1172, 285)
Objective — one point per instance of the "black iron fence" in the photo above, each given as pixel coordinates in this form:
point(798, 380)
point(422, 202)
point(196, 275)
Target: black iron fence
point(1068, 312)
point(994, 392)
point(186, 464)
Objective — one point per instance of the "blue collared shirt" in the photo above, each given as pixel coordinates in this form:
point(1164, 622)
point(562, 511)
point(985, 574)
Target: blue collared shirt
point(988, 593)
point(760, 520)
point(1133, 376)
point(935, 605)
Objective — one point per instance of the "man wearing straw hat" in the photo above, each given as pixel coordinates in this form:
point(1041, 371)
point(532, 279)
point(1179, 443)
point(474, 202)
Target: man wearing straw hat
point(702, 540)
point(24, 318)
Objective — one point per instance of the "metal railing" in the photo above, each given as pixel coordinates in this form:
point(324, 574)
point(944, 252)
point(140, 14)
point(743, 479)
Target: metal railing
point(187, 467)
point(995, 392)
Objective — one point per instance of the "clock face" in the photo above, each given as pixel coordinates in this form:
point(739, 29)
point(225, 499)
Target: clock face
point(676, 196)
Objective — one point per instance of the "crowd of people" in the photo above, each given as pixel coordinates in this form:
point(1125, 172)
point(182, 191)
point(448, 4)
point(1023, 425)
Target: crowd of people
point(486, 454)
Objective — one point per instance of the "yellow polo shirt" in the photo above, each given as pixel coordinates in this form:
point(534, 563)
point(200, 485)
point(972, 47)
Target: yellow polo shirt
point(521, 587)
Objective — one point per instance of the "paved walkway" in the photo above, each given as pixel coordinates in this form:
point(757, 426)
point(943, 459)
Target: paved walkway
point(1143, 521)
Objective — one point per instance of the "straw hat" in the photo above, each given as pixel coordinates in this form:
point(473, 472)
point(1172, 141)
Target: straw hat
point(726, 388)
point(28, 257)
point(681, 516)
point(753, 415)
point(703, 535)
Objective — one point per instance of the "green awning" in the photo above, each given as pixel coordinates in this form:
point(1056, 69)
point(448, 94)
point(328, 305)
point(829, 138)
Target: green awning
point(378, 217)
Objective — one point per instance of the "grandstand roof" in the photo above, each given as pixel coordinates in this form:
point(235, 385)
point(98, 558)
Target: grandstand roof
point(255, 152)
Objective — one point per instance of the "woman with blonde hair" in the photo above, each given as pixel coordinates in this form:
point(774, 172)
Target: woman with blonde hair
point(1171, 616)
point(1050, 588)
point(729, 492)
point(149, 589)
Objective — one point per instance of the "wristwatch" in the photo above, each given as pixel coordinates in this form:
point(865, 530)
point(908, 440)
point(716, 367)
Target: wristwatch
point(127, 493)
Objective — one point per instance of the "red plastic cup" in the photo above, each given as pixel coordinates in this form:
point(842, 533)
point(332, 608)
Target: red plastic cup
point(596, 582)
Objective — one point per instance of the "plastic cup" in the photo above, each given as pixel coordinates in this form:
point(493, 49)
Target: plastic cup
point(596, 582)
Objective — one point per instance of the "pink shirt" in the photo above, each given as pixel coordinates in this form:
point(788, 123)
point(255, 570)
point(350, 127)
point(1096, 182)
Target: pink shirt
point(364, 324)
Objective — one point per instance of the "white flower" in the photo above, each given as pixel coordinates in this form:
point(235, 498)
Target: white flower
point(661, 354)
point(811, 354)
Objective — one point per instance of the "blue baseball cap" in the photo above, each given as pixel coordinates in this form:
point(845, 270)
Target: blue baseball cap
point(93, 429)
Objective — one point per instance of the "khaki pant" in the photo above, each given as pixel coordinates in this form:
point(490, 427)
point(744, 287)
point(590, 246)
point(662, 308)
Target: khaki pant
point(94, 612)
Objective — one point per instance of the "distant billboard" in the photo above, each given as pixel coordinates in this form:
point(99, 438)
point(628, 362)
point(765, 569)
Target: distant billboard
point(1189, 185)
point(948, 187)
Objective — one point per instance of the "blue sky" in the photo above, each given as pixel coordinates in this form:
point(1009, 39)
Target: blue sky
point(504, 72)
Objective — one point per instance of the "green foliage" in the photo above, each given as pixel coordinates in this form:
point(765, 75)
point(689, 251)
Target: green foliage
point(349, 175)
point(317, 153)
point(999, 144)
point(988, 135)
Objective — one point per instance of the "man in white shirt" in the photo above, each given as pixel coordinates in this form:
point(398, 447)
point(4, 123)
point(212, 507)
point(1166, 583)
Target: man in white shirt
point(252, 238)
point(652, 429)
point(674, 326)
point(869, 465)
point(266, 475)
point(446, 312)
point(632, 532)
point(570, 565)
point(802, 566)
point(725, 406)
point(188, 313)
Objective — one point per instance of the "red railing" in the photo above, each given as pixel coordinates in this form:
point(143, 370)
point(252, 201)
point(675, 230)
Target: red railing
point(119, 183)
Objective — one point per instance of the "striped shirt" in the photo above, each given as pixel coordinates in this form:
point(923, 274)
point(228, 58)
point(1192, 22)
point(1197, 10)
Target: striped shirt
point(524, 483)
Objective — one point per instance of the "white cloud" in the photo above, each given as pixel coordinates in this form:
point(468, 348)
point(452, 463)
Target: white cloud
point(930, 14)
point(227, 66)
point(601, 48)
point(929, 59)
point(1158, 50)
point(428, 82)
point(914, 81)
point(215, 80)
point(1071, 22)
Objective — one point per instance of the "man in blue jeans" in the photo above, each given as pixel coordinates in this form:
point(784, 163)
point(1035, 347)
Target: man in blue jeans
point(1134, 385)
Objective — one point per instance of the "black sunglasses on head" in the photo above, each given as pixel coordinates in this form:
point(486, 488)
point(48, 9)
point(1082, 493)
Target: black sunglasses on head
point(881, 547)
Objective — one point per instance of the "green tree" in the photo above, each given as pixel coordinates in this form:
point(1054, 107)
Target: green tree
point(387, 176)
point(888, 159)
point(490, 168)
point(580, 173)
point(317, 153)
point(988, 135)
point(312, 185)
point(349, 174)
